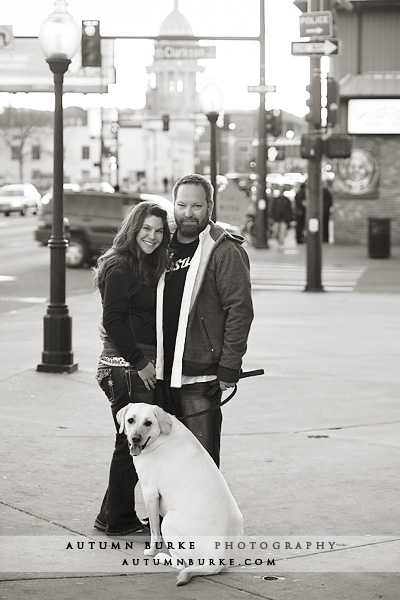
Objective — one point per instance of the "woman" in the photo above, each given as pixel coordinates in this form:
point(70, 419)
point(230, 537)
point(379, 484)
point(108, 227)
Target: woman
point(127, 276)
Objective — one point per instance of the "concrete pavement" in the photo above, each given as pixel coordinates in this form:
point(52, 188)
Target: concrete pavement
point(310, 452)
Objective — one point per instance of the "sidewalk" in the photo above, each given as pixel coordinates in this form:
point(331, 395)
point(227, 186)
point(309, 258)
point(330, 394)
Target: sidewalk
point(310, 452)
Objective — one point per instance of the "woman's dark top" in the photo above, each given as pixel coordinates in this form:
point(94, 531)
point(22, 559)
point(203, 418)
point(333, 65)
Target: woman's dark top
point(129, 319)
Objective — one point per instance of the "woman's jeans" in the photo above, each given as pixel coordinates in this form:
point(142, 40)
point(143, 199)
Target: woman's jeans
point(121, 385)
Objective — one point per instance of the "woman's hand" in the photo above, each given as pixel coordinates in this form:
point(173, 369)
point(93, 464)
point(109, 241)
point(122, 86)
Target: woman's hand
point(148, 376)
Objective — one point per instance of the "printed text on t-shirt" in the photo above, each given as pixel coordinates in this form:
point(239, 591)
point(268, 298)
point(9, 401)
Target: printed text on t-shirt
point(182, 263)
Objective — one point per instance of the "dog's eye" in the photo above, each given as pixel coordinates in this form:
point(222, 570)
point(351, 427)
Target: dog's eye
point(147, 423)
point(130, 420)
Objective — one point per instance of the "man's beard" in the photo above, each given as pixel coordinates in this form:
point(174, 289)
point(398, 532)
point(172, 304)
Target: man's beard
point(190, 228)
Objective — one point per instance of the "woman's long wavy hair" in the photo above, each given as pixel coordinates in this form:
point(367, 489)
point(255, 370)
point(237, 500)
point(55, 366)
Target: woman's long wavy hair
point(146, 268)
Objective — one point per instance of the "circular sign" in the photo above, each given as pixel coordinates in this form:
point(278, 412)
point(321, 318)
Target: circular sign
point(359, 173)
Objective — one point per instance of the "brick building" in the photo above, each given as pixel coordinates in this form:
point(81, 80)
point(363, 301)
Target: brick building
point(367, 69)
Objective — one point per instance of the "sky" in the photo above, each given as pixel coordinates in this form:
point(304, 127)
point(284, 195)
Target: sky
point(235, 68)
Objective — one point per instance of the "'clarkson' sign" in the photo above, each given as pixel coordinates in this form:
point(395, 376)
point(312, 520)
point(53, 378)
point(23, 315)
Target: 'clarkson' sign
point(185, 52)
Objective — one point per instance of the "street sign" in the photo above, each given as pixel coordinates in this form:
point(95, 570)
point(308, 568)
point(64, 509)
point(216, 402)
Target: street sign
point(322, 48)
point(185, 52)
point(261, 89)
point(316, 24)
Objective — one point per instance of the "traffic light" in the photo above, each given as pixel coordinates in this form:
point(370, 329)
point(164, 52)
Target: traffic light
point(91, 44)
point(281, 154)
point(311, 146)
point(314, 101)
point(165, 121)
point(332, 101)
point(338, 145)
point(273, 122)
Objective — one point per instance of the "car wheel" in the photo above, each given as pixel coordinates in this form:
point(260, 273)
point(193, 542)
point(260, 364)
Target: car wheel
point(6, 214)
point(76, 254)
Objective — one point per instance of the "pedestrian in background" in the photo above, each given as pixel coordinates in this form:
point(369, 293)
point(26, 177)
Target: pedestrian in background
point(327, 204)
point(282, 215)
point(204, 310)
point(300, 213)
point(126, 276)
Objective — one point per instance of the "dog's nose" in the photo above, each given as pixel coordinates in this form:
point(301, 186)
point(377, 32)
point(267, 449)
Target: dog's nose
point(136, 439)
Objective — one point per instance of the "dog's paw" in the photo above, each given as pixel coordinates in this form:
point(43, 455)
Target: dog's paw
point(168, 561)
point(165, 558)
point(183, 578)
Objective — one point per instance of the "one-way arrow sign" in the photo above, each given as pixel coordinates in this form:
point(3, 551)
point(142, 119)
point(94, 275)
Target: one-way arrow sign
point(325, 48)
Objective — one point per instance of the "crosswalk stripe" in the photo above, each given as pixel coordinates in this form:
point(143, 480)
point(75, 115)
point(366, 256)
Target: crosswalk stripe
point(275, 276)
point(28, 300)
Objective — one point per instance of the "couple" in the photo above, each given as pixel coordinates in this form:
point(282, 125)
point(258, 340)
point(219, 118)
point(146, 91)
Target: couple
point(177, 315)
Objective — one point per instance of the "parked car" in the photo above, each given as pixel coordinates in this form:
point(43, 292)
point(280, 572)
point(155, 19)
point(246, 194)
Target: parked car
point(19, 197)
point(75, 187)
point(100, 186)
point(92, 220)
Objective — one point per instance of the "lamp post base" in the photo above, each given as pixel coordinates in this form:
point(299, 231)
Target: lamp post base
point(57, 356)
point(47, 368)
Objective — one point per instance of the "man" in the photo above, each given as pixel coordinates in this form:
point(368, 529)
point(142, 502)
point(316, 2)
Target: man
point(327, 204)
point(300, 204)
point(204, 313)
point(282, 215)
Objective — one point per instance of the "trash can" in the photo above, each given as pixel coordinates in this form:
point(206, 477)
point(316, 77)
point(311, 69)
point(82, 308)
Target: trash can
point(379, 238)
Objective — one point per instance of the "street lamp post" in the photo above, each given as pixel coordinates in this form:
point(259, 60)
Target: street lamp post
point(211, 101)
point(59, 37)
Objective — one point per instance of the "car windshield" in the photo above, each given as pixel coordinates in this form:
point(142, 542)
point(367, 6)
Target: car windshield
point(11, 192)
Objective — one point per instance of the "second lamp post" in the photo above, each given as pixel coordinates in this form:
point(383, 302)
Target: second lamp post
point(211, 102)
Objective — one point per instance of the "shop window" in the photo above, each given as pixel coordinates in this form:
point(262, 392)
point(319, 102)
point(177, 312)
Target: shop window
point(36, 152)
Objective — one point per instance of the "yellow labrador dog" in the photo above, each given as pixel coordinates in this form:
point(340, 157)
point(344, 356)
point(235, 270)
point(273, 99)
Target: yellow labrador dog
point(180, 482)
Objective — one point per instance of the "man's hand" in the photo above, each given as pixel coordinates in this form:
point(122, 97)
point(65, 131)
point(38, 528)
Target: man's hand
point(224, 385)
point(148, 376)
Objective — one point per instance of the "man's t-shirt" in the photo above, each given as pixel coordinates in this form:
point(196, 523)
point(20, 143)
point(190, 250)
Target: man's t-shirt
point(173, 291)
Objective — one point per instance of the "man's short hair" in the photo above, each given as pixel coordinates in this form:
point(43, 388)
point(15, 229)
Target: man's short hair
point(195, 179)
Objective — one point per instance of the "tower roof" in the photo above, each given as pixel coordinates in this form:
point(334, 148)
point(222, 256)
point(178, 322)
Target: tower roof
point(175, 23)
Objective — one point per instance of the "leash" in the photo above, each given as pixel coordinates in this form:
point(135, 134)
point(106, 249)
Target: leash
point(214, 390)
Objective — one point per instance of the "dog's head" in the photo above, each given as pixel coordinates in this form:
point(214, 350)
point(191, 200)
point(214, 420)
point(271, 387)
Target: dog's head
point(142, 423)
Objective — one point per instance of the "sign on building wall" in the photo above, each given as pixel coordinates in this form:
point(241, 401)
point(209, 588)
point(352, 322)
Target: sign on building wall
point(23, 68)
point(374, 116)
point(232, 204)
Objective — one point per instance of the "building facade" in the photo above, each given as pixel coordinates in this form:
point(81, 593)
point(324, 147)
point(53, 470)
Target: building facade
point(366, 184)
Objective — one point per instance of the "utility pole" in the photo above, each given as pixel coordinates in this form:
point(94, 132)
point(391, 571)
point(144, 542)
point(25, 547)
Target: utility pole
point(262, 200)
point(262, 219)
point(314, 191)
point(314, 188)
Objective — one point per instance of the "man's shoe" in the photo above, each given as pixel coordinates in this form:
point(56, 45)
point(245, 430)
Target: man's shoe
point(99, 525)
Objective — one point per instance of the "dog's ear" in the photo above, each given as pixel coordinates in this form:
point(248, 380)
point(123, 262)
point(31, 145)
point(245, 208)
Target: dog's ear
point(164, 420)
point(121, 418)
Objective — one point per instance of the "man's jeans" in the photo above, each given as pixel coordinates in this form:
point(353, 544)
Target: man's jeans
point(121, 385)
point(193, 398)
